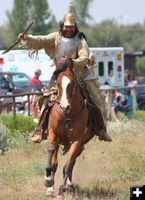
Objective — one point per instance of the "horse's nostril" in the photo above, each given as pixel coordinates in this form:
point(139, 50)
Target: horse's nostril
point(68, 107)
point(65, 109)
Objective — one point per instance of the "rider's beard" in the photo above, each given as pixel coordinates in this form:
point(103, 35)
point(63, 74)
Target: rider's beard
point(69, 34)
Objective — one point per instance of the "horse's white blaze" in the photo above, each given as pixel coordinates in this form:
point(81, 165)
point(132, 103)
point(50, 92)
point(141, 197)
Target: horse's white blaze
point(64, 101)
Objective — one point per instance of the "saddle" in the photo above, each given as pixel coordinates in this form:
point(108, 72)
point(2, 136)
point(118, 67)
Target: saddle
point(48, 99)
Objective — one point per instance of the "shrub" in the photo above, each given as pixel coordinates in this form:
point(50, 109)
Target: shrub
point(19, 122)
point(139, 115)
point(3, 140)
point(17, 128)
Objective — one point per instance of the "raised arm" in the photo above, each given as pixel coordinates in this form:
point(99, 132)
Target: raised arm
point(38, 42)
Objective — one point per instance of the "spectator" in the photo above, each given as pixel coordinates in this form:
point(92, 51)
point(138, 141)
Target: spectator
point(35, 98)
point(132, 82)
point(35, 80)
point(120, 105)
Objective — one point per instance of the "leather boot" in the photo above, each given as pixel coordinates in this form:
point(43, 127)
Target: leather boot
point(104, 136)
point(37, 136)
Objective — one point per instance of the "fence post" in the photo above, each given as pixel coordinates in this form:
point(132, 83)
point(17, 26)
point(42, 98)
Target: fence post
point(29, 106)
point(108, 100)
point(134, 99)
point(14, 107)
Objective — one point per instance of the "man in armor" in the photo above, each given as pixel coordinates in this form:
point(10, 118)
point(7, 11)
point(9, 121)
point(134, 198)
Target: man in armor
point(63, 46)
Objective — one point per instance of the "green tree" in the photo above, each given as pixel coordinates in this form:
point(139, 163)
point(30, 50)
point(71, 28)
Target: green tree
point(140, 63)
point(42, 16)
point(105, 34)
point(81, 11)
point(26, 11)
point(18, 18)
point(133, 37)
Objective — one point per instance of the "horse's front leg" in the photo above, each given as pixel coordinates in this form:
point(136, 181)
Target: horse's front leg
point(52, 162)
point(75, 150)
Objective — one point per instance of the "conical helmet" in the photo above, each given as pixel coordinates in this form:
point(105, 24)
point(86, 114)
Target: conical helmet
point(69, 18)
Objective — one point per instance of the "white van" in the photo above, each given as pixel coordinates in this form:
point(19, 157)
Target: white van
point(109, 65)
point(19, 61)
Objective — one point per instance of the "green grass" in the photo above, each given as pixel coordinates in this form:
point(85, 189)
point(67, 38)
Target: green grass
point(19, 122)
point(139, 115)
point(16, 129)
point(104, 171)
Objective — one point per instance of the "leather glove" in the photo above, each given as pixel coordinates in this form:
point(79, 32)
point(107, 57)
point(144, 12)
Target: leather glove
point(23, 36)
point(66, 60)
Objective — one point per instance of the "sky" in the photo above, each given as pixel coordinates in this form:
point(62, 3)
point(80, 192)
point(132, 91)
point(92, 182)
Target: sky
point(123, 11)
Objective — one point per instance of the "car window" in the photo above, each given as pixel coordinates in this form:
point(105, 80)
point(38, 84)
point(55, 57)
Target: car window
point(4, 84)
point(20, 80)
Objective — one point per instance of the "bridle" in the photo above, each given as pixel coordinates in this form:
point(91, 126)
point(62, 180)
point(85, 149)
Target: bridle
point(66, 116)
point(69, 118)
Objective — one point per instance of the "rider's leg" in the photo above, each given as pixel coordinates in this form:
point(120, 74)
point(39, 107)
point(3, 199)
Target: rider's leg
point(38, 134)
point(99, 100)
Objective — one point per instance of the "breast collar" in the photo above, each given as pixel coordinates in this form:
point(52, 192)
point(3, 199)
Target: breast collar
point(73, 118)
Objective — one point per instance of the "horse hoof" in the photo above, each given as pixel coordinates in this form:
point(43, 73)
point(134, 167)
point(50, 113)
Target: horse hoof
point(50, 192)
point(71, 188)
point(49, 181)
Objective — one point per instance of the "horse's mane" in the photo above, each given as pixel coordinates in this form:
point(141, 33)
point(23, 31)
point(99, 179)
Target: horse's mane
point(60, 69)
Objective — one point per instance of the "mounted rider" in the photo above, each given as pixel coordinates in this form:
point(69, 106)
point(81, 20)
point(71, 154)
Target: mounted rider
point(69, 44)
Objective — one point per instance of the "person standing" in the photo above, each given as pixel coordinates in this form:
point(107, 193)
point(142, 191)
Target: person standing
point(36, 87)
point(35, 80)
point(132, 82)
point(131, 92)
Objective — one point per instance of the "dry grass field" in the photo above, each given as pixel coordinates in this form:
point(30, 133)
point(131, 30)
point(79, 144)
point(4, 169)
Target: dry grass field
point(104, 171)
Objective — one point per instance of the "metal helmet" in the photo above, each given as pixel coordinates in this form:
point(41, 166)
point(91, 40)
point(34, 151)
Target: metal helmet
point(69, 18)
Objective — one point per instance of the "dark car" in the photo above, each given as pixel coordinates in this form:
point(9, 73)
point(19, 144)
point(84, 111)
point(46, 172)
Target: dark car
point(141, 96)
point(14, 83)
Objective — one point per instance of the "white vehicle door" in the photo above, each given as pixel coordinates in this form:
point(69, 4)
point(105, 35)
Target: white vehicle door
point(105, 69)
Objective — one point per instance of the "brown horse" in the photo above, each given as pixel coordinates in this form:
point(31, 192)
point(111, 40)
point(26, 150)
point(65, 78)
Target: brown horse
point(68, 126)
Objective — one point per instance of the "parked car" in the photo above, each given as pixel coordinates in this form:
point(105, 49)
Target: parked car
point(141, 96)
point(15, 83)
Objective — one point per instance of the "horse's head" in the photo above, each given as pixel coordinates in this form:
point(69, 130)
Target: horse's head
point(67, 85)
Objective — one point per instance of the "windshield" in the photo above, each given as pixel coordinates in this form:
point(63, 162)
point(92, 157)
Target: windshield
point(20, 80)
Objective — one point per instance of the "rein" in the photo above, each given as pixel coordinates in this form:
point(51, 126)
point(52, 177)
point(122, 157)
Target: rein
point(73, 118)
point(68, 120)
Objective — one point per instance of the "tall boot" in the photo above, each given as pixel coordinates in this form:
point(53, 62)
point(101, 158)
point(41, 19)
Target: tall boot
point(39, 132)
